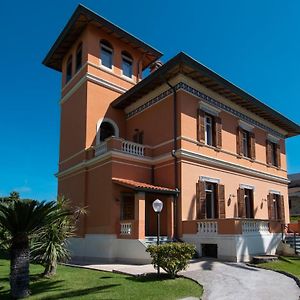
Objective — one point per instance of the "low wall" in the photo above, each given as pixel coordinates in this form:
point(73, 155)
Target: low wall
point(107, 248)
point(237, 248)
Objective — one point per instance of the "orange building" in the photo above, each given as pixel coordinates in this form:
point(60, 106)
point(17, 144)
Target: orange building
point(211, 152)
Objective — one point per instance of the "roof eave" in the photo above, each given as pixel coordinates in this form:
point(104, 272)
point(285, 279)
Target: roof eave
point(94, 16)
point(183, 59)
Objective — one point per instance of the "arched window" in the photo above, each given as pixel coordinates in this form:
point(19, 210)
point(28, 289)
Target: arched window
point(106, 130)
point(127, 63)
point(69, 69)
point(106, 54)
point(79, 57)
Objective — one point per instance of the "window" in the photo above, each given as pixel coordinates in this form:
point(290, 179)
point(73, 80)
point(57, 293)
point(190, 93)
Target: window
point(79, 57)
point(106, 130)
point(274, 154)
point(208, 130)
point(211, 203)
point(275, 207)
point(127, 64)
point(138, 137)
point(69, 69)
point(248, 196)
point(127, 207)
point(106, 54)
point(245, 197)
point(245, 143)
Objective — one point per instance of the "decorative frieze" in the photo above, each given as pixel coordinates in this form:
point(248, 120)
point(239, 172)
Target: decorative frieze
point(185, 87)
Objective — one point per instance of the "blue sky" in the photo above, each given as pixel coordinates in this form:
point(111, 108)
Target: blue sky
point(254, 44)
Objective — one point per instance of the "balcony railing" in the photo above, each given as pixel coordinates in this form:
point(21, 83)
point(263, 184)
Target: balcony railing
point(125, 228)
point(208, 227)
point(121, 145)
point(133, 148)
point(231, 226)
point(252, 226)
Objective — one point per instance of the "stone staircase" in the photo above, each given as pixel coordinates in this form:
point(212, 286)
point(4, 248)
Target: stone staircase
point(293, 241)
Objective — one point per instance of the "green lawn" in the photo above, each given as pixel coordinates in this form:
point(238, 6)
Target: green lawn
point(295, 219)
point(77, 283)
point(288, 264)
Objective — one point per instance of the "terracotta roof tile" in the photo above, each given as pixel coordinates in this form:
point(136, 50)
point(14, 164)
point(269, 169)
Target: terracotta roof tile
point(141, 185)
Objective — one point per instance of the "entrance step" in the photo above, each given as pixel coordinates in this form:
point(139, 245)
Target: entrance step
point(259, 259)
point(152, 240)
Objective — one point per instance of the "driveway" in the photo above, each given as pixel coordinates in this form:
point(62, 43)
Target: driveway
point(230, 281)
point(225, 281)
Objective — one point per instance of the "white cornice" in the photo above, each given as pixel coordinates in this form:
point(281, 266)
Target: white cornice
point(95, 79)
point(114, 154)
point(229, 166)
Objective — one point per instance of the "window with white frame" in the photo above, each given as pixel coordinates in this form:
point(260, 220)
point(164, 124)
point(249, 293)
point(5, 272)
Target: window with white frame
point(106, 54)
point(211, 206)
point(208, 123)
point(127, 63)
point(245, 143)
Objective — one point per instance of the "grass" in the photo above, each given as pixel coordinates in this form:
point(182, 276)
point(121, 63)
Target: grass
point(294, 219)
point(78, 283)
point(288, 264)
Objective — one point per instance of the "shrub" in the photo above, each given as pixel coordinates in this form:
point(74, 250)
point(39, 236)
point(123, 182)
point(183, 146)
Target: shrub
point(171, 257)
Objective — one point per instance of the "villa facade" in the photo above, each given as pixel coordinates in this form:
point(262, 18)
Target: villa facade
point(211, 152)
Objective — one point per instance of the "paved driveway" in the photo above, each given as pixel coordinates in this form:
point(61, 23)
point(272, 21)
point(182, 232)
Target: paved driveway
point(226, 281)
point(232, 281)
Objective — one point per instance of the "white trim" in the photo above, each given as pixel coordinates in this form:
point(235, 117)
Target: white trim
point(273, 139)
point(225, 151)
point(228, 165)
point(106, 69)
point(247, 186)
point(105, 83)
point(94, 79)
point(75, 75)
point(209, 179)
point(108, 120)
point(246, 126)
point(274, 192)
point(209, 109)
point(117, 154)
point(72, 156)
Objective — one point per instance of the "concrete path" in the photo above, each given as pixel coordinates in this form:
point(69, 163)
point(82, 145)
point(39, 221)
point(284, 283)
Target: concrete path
point(225, 281)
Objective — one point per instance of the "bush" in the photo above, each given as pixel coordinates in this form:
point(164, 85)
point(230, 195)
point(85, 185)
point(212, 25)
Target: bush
point(171, 257)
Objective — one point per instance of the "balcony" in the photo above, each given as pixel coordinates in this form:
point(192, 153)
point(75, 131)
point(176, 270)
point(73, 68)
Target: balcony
point(213, 227)
point(121, 145)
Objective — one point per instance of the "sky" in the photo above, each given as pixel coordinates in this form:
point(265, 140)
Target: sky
point(254, 44)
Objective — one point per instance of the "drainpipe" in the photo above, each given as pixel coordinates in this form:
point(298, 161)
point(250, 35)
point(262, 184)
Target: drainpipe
point(176, 183)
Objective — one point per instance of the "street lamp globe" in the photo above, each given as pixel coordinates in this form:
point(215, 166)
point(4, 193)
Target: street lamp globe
point(157, 206)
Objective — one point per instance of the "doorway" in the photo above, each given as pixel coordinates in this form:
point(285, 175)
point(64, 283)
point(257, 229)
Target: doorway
point(151, 218)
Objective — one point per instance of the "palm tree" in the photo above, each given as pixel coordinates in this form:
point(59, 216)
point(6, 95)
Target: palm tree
point(21, 219)
point(50, 243)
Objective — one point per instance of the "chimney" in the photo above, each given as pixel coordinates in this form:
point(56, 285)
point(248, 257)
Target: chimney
point(156, 65)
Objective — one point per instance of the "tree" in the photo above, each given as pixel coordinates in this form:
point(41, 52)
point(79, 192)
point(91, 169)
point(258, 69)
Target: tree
point(21, 219)
point(50, 243)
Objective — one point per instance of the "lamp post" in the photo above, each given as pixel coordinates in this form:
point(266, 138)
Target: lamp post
point(157, 207)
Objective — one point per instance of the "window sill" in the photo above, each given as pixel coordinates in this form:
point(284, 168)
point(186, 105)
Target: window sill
point(106, 69)
point(131, 80)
